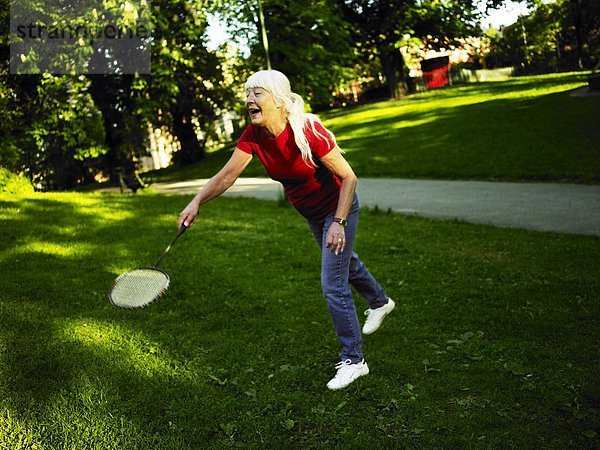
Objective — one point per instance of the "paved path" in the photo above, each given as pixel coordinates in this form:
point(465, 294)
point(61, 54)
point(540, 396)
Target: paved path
point(564, 208)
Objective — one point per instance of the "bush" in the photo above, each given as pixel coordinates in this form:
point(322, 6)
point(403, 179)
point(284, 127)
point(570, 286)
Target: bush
point(11, 183)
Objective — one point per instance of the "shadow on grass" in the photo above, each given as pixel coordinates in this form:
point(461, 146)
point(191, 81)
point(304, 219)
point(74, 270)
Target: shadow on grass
point(67, 351)
point(61, 260)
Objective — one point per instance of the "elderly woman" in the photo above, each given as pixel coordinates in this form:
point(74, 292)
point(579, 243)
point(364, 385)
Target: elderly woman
point(300, 153)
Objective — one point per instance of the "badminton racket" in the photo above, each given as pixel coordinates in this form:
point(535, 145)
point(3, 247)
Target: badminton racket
point(139, 287)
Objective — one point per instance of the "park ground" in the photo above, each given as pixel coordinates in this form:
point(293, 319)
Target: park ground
point(494, 343)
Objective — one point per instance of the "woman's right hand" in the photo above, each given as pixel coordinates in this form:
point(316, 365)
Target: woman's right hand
point(188, 215)
point(215, 186)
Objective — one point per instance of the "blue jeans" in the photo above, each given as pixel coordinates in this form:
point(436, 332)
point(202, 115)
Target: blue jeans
point(337, 273)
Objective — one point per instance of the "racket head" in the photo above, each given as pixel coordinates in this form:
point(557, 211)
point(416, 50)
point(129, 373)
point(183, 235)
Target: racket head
point(138, 288)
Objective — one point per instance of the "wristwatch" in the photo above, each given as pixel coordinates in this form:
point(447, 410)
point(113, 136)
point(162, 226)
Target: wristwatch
point(343, 222)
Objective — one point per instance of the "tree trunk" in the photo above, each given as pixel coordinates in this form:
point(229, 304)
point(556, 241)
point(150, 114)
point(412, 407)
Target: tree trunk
point(111, 95)
point(192, 150)
point(579, 38)
point(392, 64)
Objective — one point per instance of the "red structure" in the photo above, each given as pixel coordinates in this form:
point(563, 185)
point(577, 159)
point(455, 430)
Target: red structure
point(435, 71)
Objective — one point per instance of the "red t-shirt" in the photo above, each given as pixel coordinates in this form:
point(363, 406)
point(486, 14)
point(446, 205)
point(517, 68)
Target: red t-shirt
point(314, 191)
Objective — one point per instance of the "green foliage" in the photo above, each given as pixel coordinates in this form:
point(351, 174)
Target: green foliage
point(65, 136)
point(308, 41)
point(10, 115)
point(64, 130)
point(491, 344)
point(312, 45)
point(558, 36)
point(50, 128)
point(379, 25)
point(11, 183)
point(80, 36)
point(186, 90)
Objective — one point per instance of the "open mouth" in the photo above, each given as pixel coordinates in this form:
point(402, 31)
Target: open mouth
point(253, 112)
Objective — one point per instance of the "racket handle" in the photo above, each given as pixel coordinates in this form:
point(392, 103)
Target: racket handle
point(181, 230)
point(166, 250)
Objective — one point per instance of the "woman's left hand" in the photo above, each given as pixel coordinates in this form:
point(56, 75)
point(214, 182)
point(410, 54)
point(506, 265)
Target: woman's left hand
point(335, 240)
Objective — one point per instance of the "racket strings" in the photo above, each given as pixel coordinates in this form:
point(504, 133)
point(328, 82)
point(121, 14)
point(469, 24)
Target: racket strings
point(138, 287)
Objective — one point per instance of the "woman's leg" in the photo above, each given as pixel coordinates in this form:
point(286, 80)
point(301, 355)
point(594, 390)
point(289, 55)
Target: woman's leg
point(365, 284)
point(335, 270)
point(359, 276)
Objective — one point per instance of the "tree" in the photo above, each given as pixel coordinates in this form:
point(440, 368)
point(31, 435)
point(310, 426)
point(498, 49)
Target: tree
point(185, 90)
point(65, 121)
point(114, 97)
point(558, 36)
point(10, 111)
point(52, 130)
point(108, 114)
point(67, 132)
point(308, 41)
point(381, 24)
point(584, 20)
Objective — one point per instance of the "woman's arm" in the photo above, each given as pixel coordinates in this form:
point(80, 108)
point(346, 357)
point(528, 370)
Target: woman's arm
point(215, 186)
point(337, 164)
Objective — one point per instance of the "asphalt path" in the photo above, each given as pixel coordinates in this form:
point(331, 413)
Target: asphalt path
point(563, 208)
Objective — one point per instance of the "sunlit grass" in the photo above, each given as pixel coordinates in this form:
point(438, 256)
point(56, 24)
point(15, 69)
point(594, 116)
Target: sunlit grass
point(61, 250)
point(493, 343)
point(524, 129)
point(130, 351)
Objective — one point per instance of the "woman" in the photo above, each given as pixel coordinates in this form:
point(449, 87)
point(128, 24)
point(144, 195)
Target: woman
point(299, 152)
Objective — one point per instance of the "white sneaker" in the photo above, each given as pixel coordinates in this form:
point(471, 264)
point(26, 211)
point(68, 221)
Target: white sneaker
point(376, 316)
point(347, 373)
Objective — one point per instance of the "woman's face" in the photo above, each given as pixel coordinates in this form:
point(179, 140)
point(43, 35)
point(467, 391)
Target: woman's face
point(261, 106)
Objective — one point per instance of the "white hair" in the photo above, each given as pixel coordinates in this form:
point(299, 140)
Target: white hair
point(278, 85)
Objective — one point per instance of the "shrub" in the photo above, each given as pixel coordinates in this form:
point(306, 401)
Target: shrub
point(11, 183)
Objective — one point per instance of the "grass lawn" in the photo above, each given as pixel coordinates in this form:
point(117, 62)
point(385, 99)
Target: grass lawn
point(523, 129)
point(494, 343)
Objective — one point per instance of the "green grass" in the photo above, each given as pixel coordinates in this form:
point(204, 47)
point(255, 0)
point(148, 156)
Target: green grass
point(523, 129)
point(494, 343)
